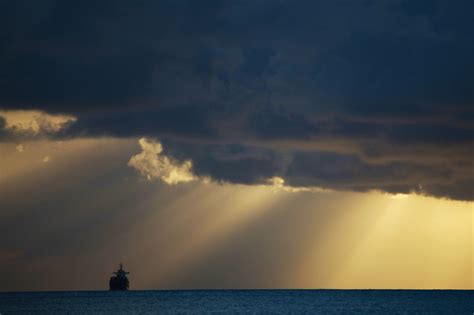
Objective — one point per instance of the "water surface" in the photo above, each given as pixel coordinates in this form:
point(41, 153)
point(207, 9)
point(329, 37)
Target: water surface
point(241, 301)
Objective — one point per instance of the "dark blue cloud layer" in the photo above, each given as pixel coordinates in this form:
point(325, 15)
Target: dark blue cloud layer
point(370, 82)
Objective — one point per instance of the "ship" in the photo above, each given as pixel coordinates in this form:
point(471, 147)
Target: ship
point(119, 282)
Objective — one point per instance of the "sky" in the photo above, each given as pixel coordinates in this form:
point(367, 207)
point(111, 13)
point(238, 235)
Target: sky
point(237, 144)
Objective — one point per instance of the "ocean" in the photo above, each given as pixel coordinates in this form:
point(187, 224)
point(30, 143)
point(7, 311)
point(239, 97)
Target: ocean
point(240, 301)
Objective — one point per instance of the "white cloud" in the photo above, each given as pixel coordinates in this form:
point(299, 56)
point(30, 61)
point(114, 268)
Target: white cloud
point(153, 164)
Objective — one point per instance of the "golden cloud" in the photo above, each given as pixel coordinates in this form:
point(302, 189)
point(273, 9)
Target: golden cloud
point(33, 122)
point(153, 164)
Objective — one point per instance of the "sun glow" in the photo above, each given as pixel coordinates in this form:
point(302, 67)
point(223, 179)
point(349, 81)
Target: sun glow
point(232, 236)
point(413, 242)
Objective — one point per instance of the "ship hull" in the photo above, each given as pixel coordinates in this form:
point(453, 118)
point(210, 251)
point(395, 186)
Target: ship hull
point(118, 284)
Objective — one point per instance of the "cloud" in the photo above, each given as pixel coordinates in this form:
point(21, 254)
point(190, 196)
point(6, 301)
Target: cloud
point(278, 184)
point(153, 164)
point(33, 123)
point(366, 58)
point(320, 166)
point(384, 87)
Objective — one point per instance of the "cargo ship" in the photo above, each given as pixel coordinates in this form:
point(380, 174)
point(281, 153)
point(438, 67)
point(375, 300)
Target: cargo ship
point(119, 282)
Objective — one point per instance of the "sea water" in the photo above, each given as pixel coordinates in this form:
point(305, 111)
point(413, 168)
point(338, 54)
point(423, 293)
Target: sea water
point(240, 301)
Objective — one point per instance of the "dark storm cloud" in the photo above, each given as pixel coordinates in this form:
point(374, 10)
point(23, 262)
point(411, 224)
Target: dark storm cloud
point(349, 172)
point(385, 87)
point(187, 121)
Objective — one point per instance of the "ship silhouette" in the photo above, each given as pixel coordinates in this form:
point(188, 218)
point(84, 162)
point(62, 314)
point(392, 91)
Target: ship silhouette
point(119, 282)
